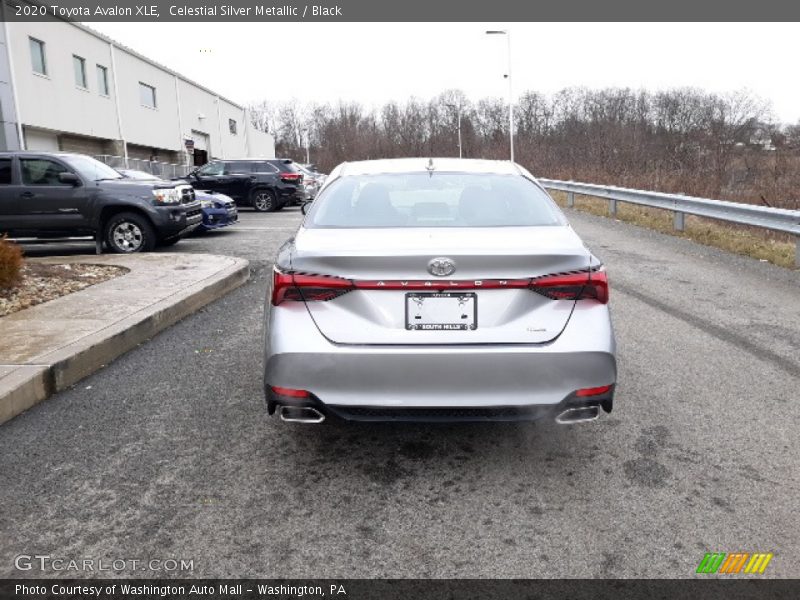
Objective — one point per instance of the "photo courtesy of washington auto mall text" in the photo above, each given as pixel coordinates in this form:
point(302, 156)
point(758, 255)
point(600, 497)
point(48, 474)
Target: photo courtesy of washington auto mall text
point(177, 590)
point(411, 300)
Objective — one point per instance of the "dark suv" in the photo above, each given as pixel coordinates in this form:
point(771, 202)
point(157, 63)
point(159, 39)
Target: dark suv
point(264, 184)
point(56, 195)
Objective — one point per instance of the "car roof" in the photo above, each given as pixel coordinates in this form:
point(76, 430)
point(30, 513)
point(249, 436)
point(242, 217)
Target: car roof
point(422, 165)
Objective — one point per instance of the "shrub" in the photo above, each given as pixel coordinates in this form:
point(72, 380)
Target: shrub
point(10, 263)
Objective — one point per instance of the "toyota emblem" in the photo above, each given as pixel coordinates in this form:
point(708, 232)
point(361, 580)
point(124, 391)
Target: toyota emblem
point(441, 267)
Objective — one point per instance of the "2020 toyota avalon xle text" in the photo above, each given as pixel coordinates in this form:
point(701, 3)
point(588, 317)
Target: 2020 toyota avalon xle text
point(437, 289)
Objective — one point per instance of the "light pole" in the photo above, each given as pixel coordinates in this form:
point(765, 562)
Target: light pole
point(457, 107)
point(306, 136)
point(507, 33)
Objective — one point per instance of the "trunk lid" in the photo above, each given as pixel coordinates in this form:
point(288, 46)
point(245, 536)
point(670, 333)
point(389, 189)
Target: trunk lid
point(398, 257)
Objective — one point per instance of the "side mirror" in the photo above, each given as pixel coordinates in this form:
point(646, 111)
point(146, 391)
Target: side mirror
point(303, 206)
point(69, 179)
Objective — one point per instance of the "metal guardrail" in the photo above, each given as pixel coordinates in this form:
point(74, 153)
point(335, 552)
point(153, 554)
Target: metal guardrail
point(776, 219)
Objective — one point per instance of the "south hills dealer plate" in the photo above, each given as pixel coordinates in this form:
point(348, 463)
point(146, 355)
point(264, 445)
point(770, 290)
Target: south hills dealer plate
point(441, 311)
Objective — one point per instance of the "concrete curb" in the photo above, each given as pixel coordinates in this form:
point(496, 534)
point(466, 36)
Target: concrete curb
point(25, 385)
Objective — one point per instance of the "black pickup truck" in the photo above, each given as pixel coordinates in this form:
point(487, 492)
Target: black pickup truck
point(266, 184)
point(57, 195)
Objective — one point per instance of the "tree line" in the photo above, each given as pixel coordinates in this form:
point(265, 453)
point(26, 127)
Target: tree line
point(682, 140)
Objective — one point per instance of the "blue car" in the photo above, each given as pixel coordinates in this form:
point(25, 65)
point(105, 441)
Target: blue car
point(219, 210)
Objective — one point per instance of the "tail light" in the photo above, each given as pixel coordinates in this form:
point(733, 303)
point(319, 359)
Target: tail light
point(298, 287)
point(595, 391)
point(574, 286)
point(289, 392)
point(591, 285)
point(292, 177)
point(447, 284)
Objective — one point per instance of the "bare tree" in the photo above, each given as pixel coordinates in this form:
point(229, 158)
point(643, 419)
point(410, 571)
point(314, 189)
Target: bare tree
point(679, 140)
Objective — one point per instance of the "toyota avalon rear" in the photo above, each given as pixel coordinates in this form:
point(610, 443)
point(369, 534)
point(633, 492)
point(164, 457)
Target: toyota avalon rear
point(437, 290)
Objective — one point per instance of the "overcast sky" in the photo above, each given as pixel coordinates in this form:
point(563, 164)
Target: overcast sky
point(376, 62)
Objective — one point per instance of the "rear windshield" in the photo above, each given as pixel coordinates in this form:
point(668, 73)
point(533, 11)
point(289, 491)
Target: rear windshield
point(433, 200)
point(289, 167)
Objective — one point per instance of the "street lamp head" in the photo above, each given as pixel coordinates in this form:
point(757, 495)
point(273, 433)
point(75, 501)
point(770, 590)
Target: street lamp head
point(496, 32)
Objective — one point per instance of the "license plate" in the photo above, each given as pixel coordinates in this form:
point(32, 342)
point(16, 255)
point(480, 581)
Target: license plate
point(444, 311)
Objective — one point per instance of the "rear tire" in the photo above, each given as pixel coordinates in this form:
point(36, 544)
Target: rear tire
point(264, 201)
point(127, 233)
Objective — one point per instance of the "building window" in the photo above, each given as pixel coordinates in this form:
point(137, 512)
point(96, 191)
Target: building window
point(147, 95)
point(38, 60)
point(80, 71)
point(232, 126)
point(102, 80)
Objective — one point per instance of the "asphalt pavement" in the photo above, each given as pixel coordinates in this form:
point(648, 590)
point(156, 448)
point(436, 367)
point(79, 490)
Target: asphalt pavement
point(167, 453)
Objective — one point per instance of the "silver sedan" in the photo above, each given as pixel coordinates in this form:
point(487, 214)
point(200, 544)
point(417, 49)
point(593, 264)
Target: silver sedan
point(437, 290)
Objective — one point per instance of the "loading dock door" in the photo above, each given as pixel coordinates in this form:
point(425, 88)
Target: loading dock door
point(200, 156)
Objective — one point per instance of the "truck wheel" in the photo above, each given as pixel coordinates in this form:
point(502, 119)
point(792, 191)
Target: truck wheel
point(264, 201)
point(126, 233)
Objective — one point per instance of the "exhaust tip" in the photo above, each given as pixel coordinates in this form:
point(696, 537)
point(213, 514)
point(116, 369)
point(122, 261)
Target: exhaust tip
point(581, 414)
point(301, 414)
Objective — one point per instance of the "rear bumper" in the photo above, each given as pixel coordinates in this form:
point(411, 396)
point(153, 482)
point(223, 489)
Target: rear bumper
point(476, 382)
point(290, 195)
point(444, 414)
point(310, 192)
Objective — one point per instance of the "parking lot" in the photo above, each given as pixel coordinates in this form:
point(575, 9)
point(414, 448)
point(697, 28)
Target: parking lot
point(168, 453)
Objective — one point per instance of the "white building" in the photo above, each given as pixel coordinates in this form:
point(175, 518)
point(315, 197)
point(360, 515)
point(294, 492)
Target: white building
point(66, 87)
